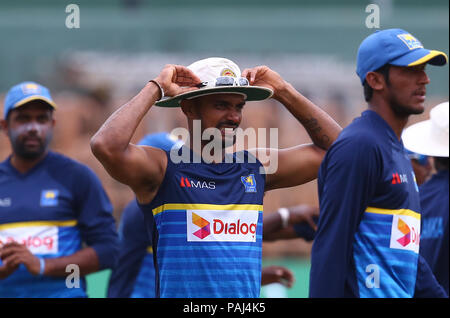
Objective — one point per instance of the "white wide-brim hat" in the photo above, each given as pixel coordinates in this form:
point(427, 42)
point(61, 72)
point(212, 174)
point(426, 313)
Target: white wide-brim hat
point(429, 137)
point(209, 70)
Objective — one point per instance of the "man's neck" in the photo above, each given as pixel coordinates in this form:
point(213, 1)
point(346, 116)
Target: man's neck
point(24, 165)
point(396, 122)
point(210, 157)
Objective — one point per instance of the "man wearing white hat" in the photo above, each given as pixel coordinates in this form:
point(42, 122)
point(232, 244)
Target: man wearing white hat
point(208, 215)
point(430, 137)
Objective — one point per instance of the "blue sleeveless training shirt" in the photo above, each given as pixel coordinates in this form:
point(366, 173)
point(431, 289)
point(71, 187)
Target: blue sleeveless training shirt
point(208, 220)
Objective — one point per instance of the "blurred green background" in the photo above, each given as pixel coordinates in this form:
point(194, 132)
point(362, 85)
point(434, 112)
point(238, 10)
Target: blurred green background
point(33, 33)
point(97, 283)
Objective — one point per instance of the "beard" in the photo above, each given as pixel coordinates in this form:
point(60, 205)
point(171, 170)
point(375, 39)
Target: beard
point(403, 110)
point(29, 153)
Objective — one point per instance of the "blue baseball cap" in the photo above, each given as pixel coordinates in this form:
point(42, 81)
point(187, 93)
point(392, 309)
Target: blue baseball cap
point(163, 140)
point(25, 92)
point(396, 47)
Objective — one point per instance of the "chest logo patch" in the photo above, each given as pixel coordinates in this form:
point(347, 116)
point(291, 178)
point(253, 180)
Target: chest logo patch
point(249, 183)
point(49, 198)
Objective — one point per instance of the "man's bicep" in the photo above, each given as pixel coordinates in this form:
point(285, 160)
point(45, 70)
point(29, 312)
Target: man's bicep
point(294, 166)
point(138, 166)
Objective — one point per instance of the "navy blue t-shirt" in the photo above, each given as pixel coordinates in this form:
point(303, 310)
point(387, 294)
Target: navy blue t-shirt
point(134, 275)
point(52, 209)
point(305, 231)
point(367, 241)
point(434, 238)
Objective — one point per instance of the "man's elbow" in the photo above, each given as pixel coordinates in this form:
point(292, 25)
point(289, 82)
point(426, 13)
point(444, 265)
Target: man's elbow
point(102, 149)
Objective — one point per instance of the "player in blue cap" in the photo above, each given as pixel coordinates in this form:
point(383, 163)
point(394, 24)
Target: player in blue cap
point(49, 206)
point(367, 241)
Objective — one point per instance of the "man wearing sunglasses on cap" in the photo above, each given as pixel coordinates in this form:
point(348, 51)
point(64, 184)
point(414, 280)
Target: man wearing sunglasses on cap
point(208, 215)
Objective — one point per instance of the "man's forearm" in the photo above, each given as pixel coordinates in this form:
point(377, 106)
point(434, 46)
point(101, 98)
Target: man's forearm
point(86, 260)
point(117, 131)
point(322, 129)
point(272, 223)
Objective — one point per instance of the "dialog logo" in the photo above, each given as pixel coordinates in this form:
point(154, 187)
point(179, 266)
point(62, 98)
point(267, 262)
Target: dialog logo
point(221, 225)
point(405, 233)
point(38, 239)
point(203, 224)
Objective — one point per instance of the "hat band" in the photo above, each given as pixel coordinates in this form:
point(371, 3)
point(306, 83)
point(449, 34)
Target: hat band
point(215, 93)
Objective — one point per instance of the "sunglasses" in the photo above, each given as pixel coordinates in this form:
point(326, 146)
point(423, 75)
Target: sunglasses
point(227, 81)
point(421, 159)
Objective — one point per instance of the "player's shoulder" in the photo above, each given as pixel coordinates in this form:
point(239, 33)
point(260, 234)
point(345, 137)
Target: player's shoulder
point(69, 167)
point(362, 132)
point(357, 138)
point(57, 159)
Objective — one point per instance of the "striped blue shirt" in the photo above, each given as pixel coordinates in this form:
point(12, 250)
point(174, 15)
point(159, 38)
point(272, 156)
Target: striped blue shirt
point(208, 241)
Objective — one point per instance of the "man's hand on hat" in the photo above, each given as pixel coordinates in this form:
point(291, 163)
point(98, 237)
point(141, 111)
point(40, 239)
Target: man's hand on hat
point(177, 79)
point(265, 77)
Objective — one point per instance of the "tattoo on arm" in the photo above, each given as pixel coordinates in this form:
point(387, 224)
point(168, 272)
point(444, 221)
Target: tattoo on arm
point(313, 129)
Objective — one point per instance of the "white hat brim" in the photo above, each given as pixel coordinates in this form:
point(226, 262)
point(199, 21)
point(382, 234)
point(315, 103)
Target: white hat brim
point(251, 93)
point(423, 138)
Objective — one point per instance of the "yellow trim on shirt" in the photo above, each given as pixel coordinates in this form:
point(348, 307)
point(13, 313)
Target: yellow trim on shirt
point(195, 206)
point(393, 212)
point(38, 223)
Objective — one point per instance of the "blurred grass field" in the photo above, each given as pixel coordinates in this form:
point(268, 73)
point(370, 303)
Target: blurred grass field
point(97, 283)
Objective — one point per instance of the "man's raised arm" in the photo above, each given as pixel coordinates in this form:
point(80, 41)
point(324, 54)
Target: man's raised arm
point(299, 164)
point(140, 167)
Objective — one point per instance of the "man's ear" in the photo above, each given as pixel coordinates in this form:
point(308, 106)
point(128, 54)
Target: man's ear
point(376, 81)
point(4, 125)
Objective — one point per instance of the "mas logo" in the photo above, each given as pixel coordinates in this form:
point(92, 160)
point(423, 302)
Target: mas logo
point(405, 233)
point(221, 225)
point(197, 184)
point(249, 183)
